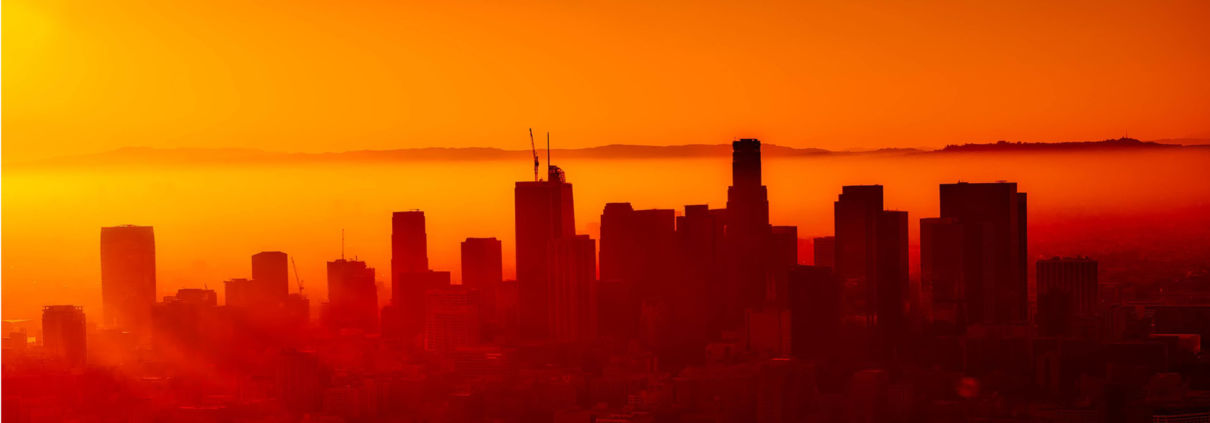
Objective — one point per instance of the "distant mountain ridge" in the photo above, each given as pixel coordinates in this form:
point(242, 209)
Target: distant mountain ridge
point(136, 156)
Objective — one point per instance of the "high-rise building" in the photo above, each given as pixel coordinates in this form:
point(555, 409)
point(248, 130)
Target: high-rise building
point(352, 295)
point(747, 230)
point(783, 255)
point(815, 313)
point(571, 298)
point(482, 264)
point(451, 319)
point(270, 271)
point(409, 244)
point(483, 272)
point(1067, 292)
point(856, 228)
point(406, 311)
point(699, 295)
point(63, 333)
point(127, 276)
point(993, 220)
point(892, 279)
point(240, 293)
point(856, 222)
point(617, 241)
point(544, 214)
point(942, 252)
point(823, 250)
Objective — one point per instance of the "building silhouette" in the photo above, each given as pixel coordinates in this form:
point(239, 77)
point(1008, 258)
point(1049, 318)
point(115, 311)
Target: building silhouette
point(270, 271)
point(63, 333)
point(748, 231)
point(823, 250)
point(857, 210)
point(993, 221)
point(814, 301)
point(571, 296)
point(240, 293)
point(1067, 294)
point(942, 273)
point(352, 296)
point(127, 276)
point(483, 272)
point(451, 319)
point(892, 280)
point(544, 214)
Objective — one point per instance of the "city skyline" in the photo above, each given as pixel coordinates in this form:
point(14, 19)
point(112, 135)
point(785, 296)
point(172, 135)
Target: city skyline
point(934, 211)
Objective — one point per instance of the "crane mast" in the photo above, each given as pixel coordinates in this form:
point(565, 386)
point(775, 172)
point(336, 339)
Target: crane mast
point(533, 149)
point(297, 279)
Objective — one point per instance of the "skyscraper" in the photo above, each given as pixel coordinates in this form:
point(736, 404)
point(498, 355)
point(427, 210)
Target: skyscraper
point(571, 298)
point(856, 221)
point(352, 295)
point(993, 221)
point(543, 213)
point(127, 276)
point(409, 243)
point(815, 313)
point(1067, 292)
point(699, 293)
point(270, 271)
point(63, 334)
point(783, 255)
point(892, 279)
point(451, 319)
point(941, 273)
point(482, 264)
point(483, 272)
point(824, 251)
point(747, 230)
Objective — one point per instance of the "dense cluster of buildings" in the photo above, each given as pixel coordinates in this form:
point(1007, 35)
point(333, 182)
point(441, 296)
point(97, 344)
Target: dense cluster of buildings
point(700, 315)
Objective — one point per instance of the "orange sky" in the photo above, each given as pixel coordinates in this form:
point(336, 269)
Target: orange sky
point(328, 76)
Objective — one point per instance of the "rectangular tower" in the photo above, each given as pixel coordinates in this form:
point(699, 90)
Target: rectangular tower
point(127, 276)
point(543, 214)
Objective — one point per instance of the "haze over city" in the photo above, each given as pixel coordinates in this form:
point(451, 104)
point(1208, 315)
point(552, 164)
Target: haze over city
point(619, 212)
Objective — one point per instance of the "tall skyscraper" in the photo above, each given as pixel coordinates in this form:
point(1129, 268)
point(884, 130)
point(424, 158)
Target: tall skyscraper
point(451, 319)
point(63, 334)
point(747, 230)
point(856, 221)
point(815, 313)
point(942, 274)
point(1067, 292)
point(699, 294)
point(352, 295)
point(544, 214)
point(240, 293)
point(482, 264)
point(483, 272)
point(271, 272)
point(824, 251)
point(127, 276)
point(892, 279)
point(783, 255)
point(409, 243)
point(571, 298)
point(993, 221)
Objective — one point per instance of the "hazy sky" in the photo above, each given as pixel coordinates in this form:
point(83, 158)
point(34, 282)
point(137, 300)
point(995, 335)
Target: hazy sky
point(330, 76)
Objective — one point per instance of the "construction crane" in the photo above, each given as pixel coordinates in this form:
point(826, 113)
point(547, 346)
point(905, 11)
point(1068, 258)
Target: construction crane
point(534, 149)
point(297, 279)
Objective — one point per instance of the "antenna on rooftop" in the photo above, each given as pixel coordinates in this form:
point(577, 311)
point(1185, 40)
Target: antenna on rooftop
point(548, 149)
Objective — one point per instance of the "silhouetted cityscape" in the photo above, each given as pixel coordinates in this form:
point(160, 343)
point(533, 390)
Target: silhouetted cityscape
point(695, 315)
